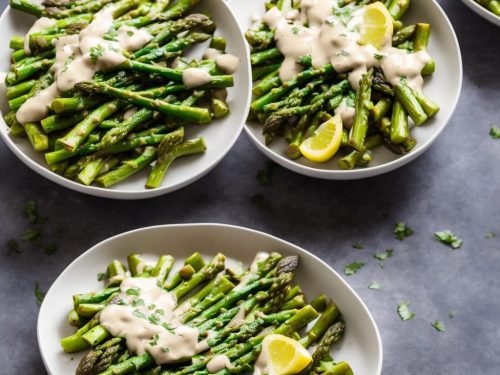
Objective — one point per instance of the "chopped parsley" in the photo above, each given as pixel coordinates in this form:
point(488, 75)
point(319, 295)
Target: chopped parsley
point(96, 52)
point(132, 292)
point(39, 295)
point(153, 319)
point(154, 340)
point(130, 33)
point(384, 255)
point(490, 235)
point(295, 30)
point(439, 326)
point(139, 314)
point(138, 302)
point(101, 276)
point(378, 56)
point(352, 268)
point(375, 285)
point(449, 238)
point(152, 306)
point(31, 234)
point(30, 211)
point(404, 311)
point(13, 247)
point(165, 349)
point(160, 312)
point(357, 246)
point(401, 230)
point(111, 34)
point(168, 327)
point(495, 132)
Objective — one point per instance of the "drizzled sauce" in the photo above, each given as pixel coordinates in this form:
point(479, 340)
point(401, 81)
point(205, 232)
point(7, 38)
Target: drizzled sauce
point(145, 317)
point(195, 77)
point(226, 62)
point(217, 363)
point(41, 24)
point(334, 39)
point(79, 57)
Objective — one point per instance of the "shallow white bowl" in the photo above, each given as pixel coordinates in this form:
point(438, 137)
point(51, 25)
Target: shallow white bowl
point(220, 136)
point(444, 87)
point(483, 12)
point(361, 345)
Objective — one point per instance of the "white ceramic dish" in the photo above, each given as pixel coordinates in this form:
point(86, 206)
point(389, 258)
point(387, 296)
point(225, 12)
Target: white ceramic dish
point(444, 87)
point(483, 12)
point(220, 136)
point(361, 345)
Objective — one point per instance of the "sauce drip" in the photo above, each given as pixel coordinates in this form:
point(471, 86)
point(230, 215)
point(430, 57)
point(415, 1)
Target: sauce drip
point(41, 24)
point(217, 363)
point(194, 77)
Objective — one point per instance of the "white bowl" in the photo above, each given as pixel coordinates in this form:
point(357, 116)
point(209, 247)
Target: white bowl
point(220, 136)
point(483, 12)
point(444, 87)
point(361, 345)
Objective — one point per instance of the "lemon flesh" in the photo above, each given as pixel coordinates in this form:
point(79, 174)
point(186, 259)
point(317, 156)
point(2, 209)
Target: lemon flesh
point(377, 26)
point(285, 356)
point(325, 142)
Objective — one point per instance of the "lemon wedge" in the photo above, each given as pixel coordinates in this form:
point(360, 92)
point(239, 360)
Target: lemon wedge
point(377, 26)
point(325, 142)
point(285, 356)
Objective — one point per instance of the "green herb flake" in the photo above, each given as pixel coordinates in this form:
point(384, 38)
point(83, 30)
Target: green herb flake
point(30, 211)
point(375, 286)
point(401, 230)
point(130, 33)
point(352, 268)
point(160, 312)
point(39, 295)
point(153, 319)
point(490, 235)
point(439, 326)
point(378, 56)
point(96, 52)
point(165, 349)
point(101, 276)
point(50, 249)
point(138, 302)
point(167, 327)
point(295, 30)
point(358, 246)
point(452, 314)
point(13, 247)
point(384, 255)
point(495, 132)
point(449, 238)
point(139, 314)
point(31, 234)
point(132, 292)
point(154, 340)
point(404, 311)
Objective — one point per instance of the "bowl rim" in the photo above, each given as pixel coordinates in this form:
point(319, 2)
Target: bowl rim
point(483, 12)
point(354, 174)
point(230, 227)
point(131, 194)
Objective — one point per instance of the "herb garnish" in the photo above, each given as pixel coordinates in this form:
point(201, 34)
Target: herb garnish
point(490, 235)
point(96, 52)
point(30, 211)
point(449, 238)
point(132, 292)
point(375, 285)
point(404, 311)
point(352, 268)
point(39, 295)
point(139, 314)
point(401, 230)
point(495, 132)
point(13, 247)
point(378, 56)
point(167, 327)
point(357, 246)
point(295, 30)
point(264, 175)
point(130, 33)
point(439, 326)
point(384, 255)
point(31, 234)
point(154, 340)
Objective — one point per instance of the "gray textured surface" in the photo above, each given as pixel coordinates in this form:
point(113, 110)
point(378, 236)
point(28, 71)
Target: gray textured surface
point(454, 185)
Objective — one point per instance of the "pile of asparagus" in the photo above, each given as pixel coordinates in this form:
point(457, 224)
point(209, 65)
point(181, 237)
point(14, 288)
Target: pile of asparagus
point(295, 109)
point(491, 5)
point(87, 135)
point(271, 302)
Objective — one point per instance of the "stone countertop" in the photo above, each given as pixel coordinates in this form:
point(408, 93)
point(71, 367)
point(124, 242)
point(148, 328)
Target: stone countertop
point(455, 185)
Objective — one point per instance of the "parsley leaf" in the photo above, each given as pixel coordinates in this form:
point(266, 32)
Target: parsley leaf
point(167, 327)
point(295, 30)
point(401, 230)
point(132, 292)
point(384, 255)
point(357, 246)
point(495, 132)
point(96, 52)
point(375, 285)
point(154, 340)
point(439, 326)
point(490, 235)
point(13, 247)
point(138, 302)
point(101, 276)
point(449, 238)
point(130, 33)
point(30, 211)
point(31, 234)
point(352, 268)
point(39, 295)
point(139, 314)
point(378, 56)
point(165, 349)
point(404, 311)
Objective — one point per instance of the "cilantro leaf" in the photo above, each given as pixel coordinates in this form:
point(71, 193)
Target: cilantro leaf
point(352, 268)
point(13, 247)
point(401, 230)
point(378, 56)
point(165, 349)
point(130, 33)
point(132, 292)
point(439, 326)
point(449, 238)
point(96, 52)
point(358, 246)
point(31, 234)
point(490, 235)
point(375, 285)
point(30, 211)
point(139, 314)
point(39, 295)
point(384, 255)
point(404, 311)
point(495, 132)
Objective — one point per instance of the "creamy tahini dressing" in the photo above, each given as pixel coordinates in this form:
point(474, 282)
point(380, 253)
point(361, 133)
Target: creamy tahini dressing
point(142, 266)
point(254, 267)
point(227, 63)
point(79, 57)
point(217, 363)
point(194, 77)
point(145, 317)
point(41, 24)
point(328, 40)
point(346, 113)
